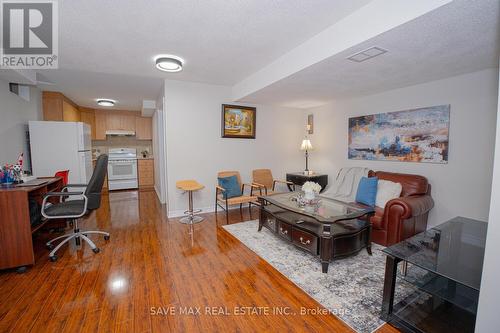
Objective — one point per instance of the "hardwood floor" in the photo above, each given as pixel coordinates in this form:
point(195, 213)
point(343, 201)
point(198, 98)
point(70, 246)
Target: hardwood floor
point(151, 265)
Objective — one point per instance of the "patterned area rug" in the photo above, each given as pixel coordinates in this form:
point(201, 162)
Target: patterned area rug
point(352, 288)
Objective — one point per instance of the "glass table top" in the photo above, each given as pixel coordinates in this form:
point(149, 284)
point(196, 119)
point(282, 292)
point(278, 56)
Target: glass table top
point(326, 210)
point(454, 249)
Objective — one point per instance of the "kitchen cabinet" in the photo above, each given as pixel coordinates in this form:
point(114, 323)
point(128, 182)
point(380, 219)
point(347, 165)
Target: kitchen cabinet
point(145, 171)
point(70, 112)
point(100, 125)
point(120, 121)
point(52, 108)
point(57, 107)
point(88, 117)
point(143, 128)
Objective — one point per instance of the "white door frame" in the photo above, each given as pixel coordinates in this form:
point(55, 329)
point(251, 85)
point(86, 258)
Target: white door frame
point(160, 150)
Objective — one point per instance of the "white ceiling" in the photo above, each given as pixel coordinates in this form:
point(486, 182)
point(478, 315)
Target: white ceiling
point(457, 38)
point(106, 48)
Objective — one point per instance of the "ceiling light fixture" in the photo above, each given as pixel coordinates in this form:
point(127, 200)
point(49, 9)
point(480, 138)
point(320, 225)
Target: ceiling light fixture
point(106, 102)
point(169, 63)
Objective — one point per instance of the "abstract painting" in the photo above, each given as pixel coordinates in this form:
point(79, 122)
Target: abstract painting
point(417, 135)
point(238, 121)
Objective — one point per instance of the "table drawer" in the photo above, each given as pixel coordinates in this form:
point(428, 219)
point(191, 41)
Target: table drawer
point(269, 221)
point(285, 230)
point(305, 240)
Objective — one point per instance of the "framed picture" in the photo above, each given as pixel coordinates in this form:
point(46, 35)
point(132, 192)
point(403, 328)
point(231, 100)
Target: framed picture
point(417, 135)
point(238, 121)
point(310, 124)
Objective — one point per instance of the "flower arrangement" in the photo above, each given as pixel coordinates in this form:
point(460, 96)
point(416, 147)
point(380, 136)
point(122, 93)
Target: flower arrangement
point(310, 190)
point(311, 187)
point(7, 173)
point(11, 173)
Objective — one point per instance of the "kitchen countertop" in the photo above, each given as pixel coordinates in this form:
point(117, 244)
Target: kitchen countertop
point(139, 158)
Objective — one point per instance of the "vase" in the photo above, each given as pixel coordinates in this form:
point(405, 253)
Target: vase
point(309, 195)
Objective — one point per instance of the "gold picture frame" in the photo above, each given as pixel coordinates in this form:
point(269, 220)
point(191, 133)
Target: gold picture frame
point(238, 121)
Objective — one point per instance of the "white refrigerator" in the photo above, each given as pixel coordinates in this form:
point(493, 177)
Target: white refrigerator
point(60, 145)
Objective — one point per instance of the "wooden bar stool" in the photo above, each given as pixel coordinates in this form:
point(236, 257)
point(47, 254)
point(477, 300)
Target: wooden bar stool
point(190, 186)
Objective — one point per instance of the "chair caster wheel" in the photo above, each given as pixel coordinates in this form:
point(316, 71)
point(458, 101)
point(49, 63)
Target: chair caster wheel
point(96, 250)
point(106, 237)
point(21, 270)
point(49, 246)
point(53, 258)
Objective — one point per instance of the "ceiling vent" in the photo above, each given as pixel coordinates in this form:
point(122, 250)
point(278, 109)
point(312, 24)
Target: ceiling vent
point(372, 52)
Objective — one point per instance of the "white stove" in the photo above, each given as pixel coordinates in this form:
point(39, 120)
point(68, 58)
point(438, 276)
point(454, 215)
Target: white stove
point(122, 168)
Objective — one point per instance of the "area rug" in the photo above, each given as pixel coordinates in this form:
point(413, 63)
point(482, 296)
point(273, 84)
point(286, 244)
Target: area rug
point(352, 288)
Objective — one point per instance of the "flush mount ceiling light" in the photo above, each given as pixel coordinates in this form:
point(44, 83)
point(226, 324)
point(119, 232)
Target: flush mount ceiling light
point(105, 102)
point(169, 63)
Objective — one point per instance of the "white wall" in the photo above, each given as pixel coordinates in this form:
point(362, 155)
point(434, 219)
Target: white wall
point(159, 149)
point(195, 149)
point(15, 113)
point(487, 317)
point(461, 187)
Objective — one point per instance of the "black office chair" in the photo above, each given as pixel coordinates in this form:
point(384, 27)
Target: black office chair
point(74, 209)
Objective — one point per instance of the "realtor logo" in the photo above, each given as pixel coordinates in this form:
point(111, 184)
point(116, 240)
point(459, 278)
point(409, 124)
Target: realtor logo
point(29, 34)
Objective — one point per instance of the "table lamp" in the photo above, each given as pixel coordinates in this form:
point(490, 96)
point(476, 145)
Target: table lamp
point(306, 145)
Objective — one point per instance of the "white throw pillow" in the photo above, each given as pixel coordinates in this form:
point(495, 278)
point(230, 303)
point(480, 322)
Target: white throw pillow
point(387, 190)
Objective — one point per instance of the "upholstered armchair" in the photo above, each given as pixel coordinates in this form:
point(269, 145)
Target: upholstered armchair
point(263, 178)
point(405, 216)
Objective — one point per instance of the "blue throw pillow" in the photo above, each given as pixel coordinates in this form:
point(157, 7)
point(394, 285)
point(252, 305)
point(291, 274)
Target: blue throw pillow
point(231, 186)
point(367, 191)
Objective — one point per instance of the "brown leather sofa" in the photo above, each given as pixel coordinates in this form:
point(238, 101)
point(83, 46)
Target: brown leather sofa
point(405, 216)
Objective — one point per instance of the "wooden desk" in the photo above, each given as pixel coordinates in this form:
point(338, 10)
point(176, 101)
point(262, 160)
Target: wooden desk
point(16, 242)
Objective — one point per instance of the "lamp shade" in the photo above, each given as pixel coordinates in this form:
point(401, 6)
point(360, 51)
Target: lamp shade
point(306, 145)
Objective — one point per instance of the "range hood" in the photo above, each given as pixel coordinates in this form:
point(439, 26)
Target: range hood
point(120, 133)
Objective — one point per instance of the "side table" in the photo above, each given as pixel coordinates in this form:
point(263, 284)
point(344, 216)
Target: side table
point(298, 178)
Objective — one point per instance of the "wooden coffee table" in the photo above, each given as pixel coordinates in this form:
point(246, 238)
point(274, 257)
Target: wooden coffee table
point(330, 230)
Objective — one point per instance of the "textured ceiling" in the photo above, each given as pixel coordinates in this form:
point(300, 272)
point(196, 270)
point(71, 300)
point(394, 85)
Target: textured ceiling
point(221, 41)
point(457, 38)
point(107, 47)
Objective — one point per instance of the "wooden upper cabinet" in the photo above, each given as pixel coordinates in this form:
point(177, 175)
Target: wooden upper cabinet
point(120, 121)
point(52, 107)
point(113, 121)
point(70, 113)
point(57, 107)
point(143, 128)
point(100, 125)
point(128, 123)
point(88, 117)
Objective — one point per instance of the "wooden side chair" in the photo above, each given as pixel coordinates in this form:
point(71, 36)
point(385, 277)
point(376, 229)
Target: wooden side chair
point(263, 178)
point(224, 202)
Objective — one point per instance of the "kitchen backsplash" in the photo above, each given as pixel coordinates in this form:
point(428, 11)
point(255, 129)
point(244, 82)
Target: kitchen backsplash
point(102, 146)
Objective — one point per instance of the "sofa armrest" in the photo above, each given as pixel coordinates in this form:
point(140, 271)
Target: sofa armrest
point(401, 217)
point(410, 206)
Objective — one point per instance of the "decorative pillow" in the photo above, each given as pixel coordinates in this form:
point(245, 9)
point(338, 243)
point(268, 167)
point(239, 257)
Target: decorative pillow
point(367, 191)
point(231, 186)
point(387, 190)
